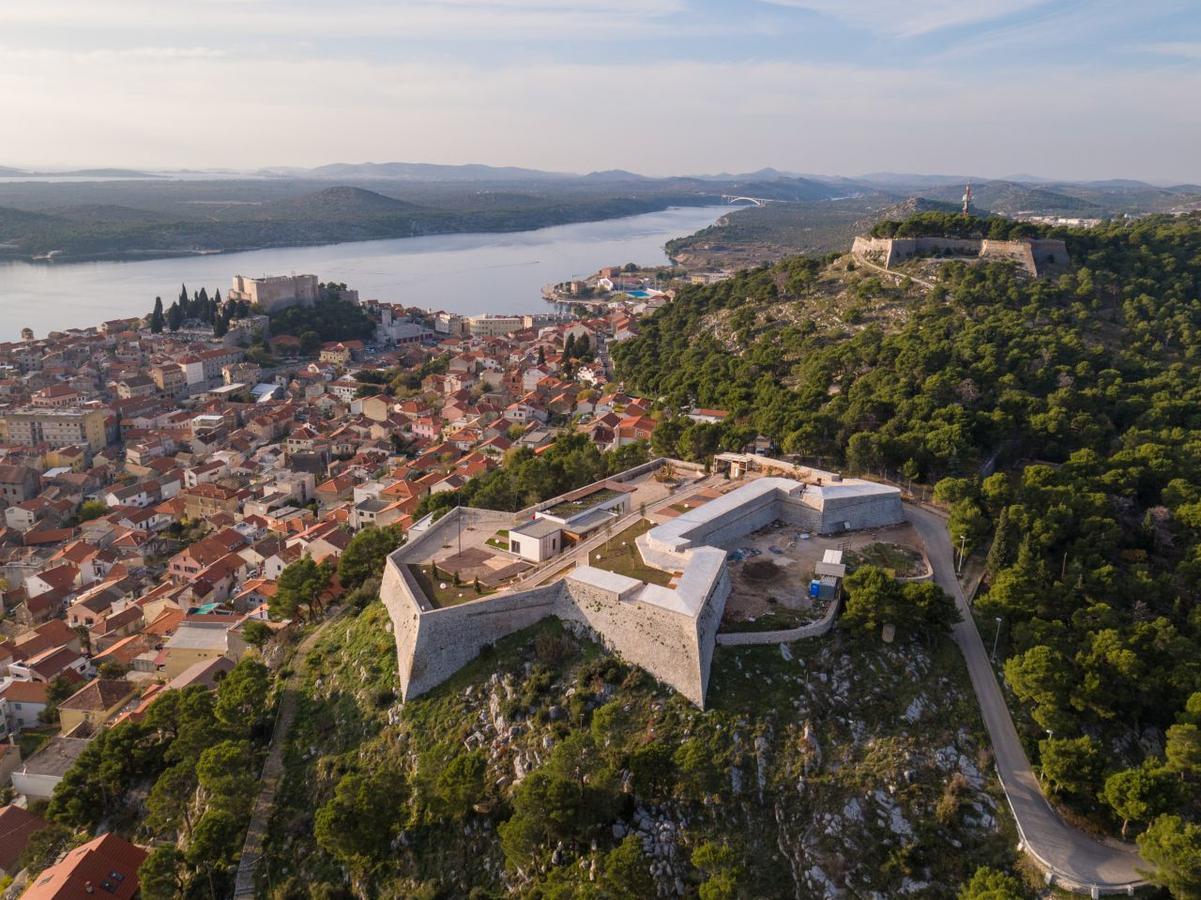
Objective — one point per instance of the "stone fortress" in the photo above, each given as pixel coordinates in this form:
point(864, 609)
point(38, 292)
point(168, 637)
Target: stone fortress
point(667, 631)
point(275, 293)
point(1036, 256)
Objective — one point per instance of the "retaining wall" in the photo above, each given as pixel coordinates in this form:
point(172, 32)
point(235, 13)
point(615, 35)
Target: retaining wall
point(752, 638)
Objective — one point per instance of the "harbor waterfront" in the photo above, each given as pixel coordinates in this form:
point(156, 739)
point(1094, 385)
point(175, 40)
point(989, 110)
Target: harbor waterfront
point(465, 273)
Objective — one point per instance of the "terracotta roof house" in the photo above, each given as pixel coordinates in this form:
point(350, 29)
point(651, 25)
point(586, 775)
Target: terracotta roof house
point(95, 703)
point(106, 866)
point(206, 672)
point(17, 825)
point(49, 664)
point(24, 701)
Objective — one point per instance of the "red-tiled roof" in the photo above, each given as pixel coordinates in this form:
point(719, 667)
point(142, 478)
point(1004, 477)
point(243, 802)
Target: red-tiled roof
point(16, 827)
point(105, 866)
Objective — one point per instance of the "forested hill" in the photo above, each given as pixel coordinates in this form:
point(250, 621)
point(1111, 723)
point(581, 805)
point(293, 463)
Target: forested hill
point(829, 359)
point(1086, 389)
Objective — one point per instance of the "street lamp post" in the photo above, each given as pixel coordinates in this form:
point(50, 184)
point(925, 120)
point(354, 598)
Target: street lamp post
point(616, 514)
point(995, 638)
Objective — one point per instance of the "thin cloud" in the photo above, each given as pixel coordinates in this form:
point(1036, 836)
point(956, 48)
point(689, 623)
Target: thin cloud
point(358, 18)
point(1182, 49)
point(902, 18)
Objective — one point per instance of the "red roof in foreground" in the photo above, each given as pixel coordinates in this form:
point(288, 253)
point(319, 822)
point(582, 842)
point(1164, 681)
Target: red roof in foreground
point(16, 827)
point(106, 866)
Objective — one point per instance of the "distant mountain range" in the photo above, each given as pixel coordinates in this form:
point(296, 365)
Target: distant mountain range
point(9, 172)
point(902, 182)
point(116, 213)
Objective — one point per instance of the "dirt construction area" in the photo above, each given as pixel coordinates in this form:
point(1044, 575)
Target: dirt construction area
point(770, 570)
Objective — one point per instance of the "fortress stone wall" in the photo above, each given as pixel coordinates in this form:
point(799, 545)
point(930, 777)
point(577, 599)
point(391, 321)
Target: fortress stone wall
point(1035, 255)
point(669, 632)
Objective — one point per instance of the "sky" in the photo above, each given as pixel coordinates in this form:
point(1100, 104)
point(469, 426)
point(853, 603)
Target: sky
point(1061, 89)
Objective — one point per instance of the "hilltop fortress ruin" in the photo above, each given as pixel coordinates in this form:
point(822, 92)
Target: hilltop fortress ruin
point(668, 631)
point(1036, 256)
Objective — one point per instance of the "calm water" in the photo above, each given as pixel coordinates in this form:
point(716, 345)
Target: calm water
point(464, 273)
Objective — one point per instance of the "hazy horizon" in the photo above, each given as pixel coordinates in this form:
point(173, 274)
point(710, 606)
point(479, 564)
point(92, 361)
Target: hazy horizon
point(35, 171)
point(1066, 90)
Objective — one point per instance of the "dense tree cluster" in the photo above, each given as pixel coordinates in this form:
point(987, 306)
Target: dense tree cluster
point(301, 588)
point(875, 599)
point(329, 319)
point(956, 225)
point(199, 309)
point(193, 759)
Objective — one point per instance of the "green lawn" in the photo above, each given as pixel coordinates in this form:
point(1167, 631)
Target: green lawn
point(500, 540)
point(569, 508)
point(626, 560)
point(450, 595)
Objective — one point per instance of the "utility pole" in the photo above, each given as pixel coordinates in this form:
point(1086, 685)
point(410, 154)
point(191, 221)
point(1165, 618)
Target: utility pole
point(995, 638)
point(962, 548)
point(459, 520)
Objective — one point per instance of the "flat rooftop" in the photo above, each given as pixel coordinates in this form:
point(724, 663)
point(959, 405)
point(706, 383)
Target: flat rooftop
point(538, 528)
point(55, 758)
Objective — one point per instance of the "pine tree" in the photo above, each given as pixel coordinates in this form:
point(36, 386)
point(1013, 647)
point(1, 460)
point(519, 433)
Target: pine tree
point(156, 317)
point(1004, 545)
point(220, 326)
point(569, 347)
point(174, 317)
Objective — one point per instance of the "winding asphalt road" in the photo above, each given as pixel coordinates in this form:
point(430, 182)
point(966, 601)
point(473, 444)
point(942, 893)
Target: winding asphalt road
point(1075, 859)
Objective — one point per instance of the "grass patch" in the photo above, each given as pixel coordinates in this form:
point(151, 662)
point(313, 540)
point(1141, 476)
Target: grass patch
point(31, 740)
point(451, 595)
point(902, 562)
point(620, 554)
point(500, 540)
point(569, 508)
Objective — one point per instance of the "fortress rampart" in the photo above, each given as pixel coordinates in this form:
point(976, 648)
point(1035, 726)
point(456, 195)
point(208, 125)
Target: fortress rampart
point(1035, 255)
point(669, 632)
